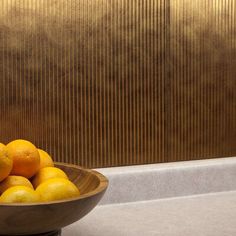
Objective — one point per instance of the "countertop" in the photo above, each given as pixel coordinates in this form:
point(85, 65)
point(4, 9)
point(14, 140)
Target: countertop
point(211, 214)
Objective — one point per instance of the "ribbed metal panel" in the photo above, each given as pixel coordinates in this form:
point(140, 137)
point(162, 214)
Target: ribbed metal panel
point(85, 79)
point(202, 112)
point(121, 82)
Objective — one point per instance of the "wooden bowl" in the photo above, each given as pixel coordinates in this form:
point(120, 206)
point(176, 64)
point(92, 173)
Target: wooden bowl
point(40, 218)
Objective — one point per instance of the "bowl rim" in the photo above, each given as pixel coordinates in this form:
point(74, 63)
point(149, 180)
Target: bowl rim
point(100, 188)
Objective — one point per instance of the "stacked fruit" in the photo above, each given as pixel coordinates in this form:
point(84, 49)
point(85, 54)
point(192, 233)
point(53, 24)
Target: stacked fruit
point(28, 175)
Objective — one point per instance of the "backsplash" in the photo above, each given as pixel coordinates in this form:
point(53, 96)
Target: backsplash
point(106, 83)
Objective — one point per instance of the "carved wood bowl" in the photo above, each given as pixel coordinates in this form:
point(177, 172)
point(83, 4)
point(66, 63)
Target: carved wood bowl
point(47, 218)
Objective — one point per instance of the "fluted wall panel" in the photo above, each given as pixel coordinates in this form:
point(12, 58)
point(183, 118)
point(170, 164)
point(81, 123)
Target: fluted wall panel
point(122, 82)
point(84, 79)
point(201, 118)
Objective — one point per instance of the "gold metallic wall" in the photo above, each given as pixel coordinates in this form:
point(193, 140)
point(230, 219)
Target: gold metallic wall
point(201, 109)
point(106, 83)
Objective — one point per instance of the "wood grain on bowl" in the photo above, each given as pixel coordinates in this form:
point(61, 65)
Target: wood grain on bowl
point(88, 181)
point(27, 219)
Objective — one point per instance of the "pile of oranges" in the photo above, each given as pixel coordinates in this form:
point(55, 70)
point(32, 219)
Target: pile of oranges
point(28, 175)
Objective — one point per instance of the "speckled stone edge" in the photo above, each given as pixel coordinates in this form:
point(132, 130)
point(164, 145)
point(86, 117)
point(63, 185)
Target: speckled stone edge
point(156, 181)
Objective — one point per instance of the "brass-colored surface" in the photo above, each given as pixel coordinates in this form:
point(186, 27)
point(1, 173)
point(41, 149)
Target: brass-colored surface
point(201, 118)
point(105, 83)
point(84, 79)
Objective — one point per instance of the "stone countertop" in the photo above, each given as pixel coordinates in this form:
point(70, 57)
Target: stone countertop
point(212, 214)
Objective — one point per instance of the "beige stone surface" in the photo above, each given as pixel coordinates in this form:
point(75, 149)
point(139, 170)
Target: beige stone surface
point(205, 215)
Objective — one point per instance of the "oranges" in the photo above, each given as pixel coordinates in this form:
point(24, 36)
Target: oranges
point(12, 181)
point(28, 175)
point(20, 194)
point(25, 156)
point(45, 159)
point(48, 173)
point(57, 189)
point(5, 162)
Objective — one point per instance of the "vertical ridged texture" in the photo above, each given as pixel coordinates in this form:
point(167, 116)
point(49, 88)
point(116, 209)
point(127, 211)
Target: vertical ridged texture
point(106, 83)
point(201, 117)
point(84, 79)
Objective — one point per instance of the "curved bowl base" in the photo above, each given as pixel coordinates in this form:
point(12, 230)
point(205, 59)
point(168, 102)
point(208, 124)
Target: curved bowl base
point(52, 233)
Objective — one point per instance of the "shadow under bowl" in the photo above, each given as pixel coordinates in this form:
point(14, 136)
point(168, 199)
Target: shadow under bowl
point(40, 218)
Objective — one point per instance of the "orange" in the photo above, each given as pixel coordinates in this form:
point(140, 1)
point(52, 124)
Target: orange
point(57, 189)
point(19, 194)
point(5, 162)
point(12, 181)
point(47, 173)
point(25, 156)
point(45, 159)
